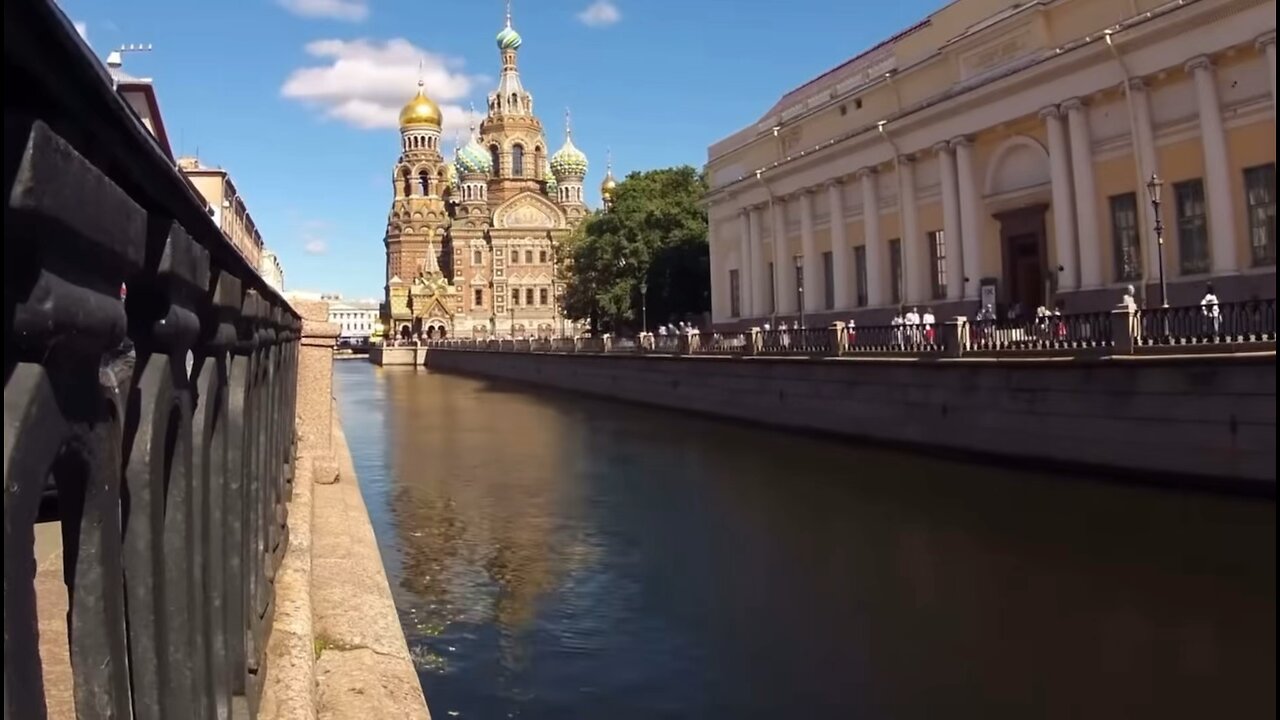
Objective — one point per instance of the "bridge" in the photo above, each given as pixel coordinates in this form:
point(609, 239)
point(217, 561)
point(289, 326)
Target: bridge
point(158, 456)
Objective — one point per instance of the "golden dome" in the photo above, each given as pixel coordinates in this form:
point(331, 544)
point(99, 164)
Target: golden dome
point(606, 187)
point(421, 110)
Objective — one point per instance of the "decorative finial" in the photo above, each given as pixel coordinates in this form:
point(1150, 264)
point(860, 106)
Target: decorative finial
point(608, 160)
point(568, 125)
point(508, 13)
point(471, 113)
point(420, 81)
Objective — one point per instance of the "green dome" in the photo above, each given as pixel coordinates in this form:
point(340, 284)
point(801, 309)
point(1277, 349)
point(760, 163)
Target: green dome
point(473, 158)
point(550, 179)
point(569, 161)
point(509, 39)
point(451, 175)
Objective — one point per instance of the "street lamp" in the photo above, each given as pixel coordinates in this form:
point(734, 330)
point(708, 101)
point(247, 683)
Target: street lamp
point(512, 330)
point(1154, 186)
point(644, 305)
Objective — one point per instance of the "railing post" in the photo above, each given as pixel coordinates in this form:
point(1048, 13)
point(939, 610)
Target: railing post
point(606, 342)
point(839, 339)
point(955, 337)
point(755, 340)
point(1123, 329)
point(644, 342)
point(684, 342)
point(315, 377)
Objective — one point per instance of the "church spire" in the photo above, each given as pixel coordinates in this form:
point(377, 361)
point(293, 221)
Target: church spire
point(510, 98)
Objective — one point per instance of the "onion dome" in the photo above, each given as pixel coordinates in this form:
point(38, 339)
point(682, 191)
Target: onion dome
point(473, 158)
point(569, 161)
point(550, 179)
point(508, 38)
point(608, 185)
point(421, 110)
point(451, 176)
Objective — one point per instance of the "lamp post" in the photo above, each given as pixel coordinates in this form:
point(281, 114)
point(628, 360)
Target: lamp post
point(1154, 186)
point(512, 330)
point(644, 305)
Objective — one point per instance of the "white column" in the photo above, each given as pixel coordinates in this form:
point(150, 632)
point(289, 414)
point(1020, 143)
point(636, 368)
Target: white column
point(970, 217)
point(950, 219)
point(1217, 168)
point(759, 265)
point(784, 263)
point(842, 270)
point(815, 283)
point(745, 274)
point(1267, 44)
point(877, 269)
point(1088, 240)
point(1145, 142)
point(912, 241)
point(1064, 211)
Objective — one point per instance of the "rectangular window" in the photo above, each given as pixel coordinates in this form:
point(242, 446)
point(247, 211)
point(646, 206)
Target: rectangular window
point(773, 292)
point(542, 256)
point(515, 296)
point(478, 297)
point(543, 296)
point(1193, 238)
point(477, 257)
point(1124, 234)
point(799, 261)
point(828, 281)
point(528, 296)
point(938, 264)
point(515, 256)
point(735, 298)
point(896, 294)
point(1260, 202)
point(860, 272)
point(528, 257)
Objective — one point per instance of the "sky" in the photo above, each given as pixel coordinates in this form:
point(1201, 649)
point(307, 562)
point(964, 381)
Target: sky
point(298, 99)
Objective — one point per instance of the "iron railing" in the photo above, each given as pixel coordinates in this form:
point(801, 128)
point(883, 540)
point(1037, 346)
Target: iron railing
point(1236, 322)
point(800, 341)
point(150, 380)
point(720, 343)
point(1046, 332)
point(892, 339)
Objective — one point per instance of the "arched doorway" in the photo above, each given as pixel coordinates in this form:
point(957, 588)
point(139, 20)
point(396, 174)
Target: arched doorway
point(1018, 190)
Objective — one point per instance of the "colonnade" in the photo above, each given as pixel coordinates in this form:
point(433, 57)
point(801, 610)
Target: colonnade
point(1080, 235)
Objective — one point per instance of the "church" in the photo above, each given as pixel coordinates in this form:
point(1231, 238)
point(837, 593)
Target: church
point(472, 243)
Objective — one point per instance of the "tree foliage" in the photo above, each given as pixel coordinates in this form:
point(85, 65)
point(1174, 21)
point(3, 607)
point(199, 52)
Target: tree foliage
point(654, 235)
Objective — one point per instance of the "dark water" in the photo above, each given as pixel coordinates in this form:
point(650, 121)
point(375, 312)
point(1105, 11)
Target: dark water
point(560, 557)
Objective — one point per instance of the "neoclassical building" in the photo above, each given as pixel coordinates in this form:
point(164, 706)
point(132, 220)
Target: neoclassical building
point(472, 241)
point(1000, 152)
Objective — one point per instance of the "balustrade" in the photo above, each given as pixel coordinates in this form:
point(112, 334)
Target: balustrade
point(150, 387)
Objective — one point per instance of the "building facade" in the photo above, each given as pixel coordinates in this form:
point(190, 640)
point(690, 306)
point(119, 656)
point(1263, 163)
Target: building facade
point(226, 206)
point(999, 153)
point(357, 319)
point(271, 270)
point(471, 242)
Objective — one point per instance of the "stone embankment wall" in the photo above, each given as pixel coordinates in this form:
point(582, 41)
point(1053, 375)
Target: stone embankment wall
point(337, 649)
point(1195, 417)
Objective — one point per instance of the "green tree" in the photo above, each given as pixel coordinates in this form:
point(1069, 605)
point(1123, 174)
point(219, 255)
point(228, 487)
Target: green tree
point(655, 234)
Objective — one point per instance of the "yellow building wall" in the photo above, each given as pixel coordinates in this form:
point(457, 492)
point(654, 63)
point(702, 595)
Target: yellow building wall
point(1113, 176)
point(1180, 161)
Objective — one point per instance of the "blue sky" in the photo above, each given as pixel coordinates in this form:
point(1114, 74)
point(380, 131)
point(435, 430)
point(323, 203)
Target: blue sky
point(297, 98)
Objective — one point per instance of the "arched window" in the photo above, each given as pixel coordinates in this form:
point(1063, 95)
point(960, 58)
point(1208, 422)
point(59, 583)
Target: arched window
point(517, 160)
point(539, 162)
point(515, 102)
point(495, 156)
point(424, 183)
point(406, 186)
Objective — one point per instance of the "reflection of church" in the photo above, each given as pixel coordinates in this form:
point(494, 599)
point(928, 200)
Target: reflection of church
point(471, 244)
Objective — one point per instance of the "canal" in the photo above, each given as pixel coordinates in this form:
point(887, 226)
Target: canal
point(555, 556)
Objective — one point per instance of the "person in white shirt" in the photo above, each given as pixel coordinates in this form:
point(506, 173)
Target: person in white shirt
point(912, 320)
point(929, 321)
point(1210, 309)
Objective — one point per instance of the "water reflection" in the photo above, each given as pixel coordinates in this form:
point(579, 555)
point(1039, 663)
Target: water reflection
point(563, 557)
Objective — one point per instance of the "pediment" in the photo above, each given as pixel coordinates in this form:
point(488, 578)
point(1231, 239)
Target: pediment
point(436, 308)
point(528, 210)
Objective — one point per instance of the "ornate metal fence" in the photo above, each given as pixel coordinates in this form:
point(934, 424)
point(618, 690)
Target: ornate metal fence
point(157, 424)
point(1238, 322)
point(1048, 332)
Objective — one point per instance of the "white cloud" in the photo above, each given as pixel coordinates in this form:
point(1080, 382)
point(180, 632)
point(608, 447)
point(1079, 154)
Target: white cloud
point(364, 83)
point(316, 246)
point(348, 10)
point(314, 235)
point(82, 27)
point(600, 13)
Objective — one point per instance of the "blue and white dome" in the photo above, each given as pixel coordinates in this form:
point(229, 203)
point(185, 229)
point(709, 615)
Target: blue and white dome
point(473, 158)
point(569, 161)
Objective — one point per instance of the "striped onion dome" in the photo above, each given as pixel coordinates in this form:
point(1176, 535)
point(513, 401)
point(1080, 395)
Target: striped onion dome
point(569, 161)
point(451, 176)
point(552, 185)
point(508, 38)
point(473, 158)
